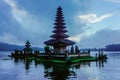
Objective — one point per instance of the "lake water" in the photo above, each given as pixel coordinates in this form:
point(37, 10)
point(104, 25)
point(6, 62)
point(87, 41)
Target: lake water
point(13, 69)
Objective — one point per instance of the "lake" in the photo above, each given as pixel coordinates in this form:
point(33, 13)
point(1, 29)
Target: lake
point(14, 69)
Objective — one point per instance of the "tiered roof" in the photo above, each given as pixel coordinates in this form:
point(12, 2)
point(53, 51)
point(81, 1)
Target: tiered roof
point(59, 33)
point(27, 44)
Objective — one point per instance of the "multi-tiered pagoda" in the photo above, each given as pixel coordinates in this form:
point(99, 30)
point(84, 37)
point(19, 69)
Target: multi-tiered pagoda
point(27, 49)
point(59, 37)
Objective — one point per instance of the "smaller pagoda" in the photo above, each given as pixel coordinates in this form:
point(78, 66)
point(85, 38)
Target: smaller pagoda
point(59, 40)
point(27, 49)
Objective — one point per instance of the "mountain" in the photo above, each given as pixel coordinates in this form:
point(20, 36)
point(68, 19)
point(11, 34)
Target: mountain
point(11, 47)
point(112, 47)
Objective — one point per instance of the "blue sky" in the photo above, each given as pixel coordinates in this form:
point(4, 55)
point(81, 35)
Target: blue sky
point(90, 23)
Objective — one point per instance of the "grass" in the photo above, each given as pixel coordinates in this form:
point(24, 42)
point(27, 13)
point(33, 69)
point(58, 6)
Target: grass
point(84, 59)
point(73, 60)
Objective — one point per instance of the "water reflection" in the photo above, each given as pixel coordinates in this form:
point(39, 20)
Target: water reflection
point(24, 61)
point(101, 63)
point(56, 71)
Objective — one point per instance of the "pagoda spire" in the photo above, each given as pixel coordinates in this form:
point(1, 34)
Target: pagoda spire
point(59, 32)
point(59, 37)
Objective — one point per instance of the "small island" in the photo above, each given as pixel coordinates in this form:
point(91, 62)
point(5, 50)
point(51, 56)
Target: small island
point(57, 48)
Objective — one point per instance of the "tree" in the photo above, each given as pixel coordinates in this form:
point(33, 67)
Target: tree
point(77, 49)
point(72, 49)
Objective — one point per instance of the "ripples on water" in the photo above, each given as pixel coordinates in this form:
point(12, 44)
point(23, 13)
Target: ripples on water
point(19, 69)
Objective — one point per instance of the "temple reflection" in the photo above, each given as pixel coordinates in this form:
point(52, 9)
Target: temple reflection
point(55, 71)
point(100, 63)
point(58, 71)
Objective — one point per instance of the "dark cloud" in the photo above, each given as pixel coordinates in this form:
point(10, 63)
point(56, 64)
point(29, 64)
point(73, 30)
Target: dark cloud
point(101, 38)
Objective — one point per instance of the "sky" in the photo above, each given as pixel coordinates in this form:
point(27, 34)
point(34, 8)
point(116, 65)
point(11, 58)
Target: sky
point(90, 23)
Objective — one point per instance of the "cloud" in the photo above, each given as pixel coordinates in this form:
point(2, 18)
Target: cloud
point(116, 1)
point(9, 38)
point(101, 38)
point(85, 5)
point(92, 18)
point(79, 37)
point(88, 28)
point(24, 18)
point(22, 25)
point(76, 38)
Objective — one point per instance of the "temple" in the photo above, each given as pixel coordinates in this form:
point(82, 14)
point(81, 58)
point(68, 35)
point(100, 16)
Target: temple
point(59, 40)
point(58, 53)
